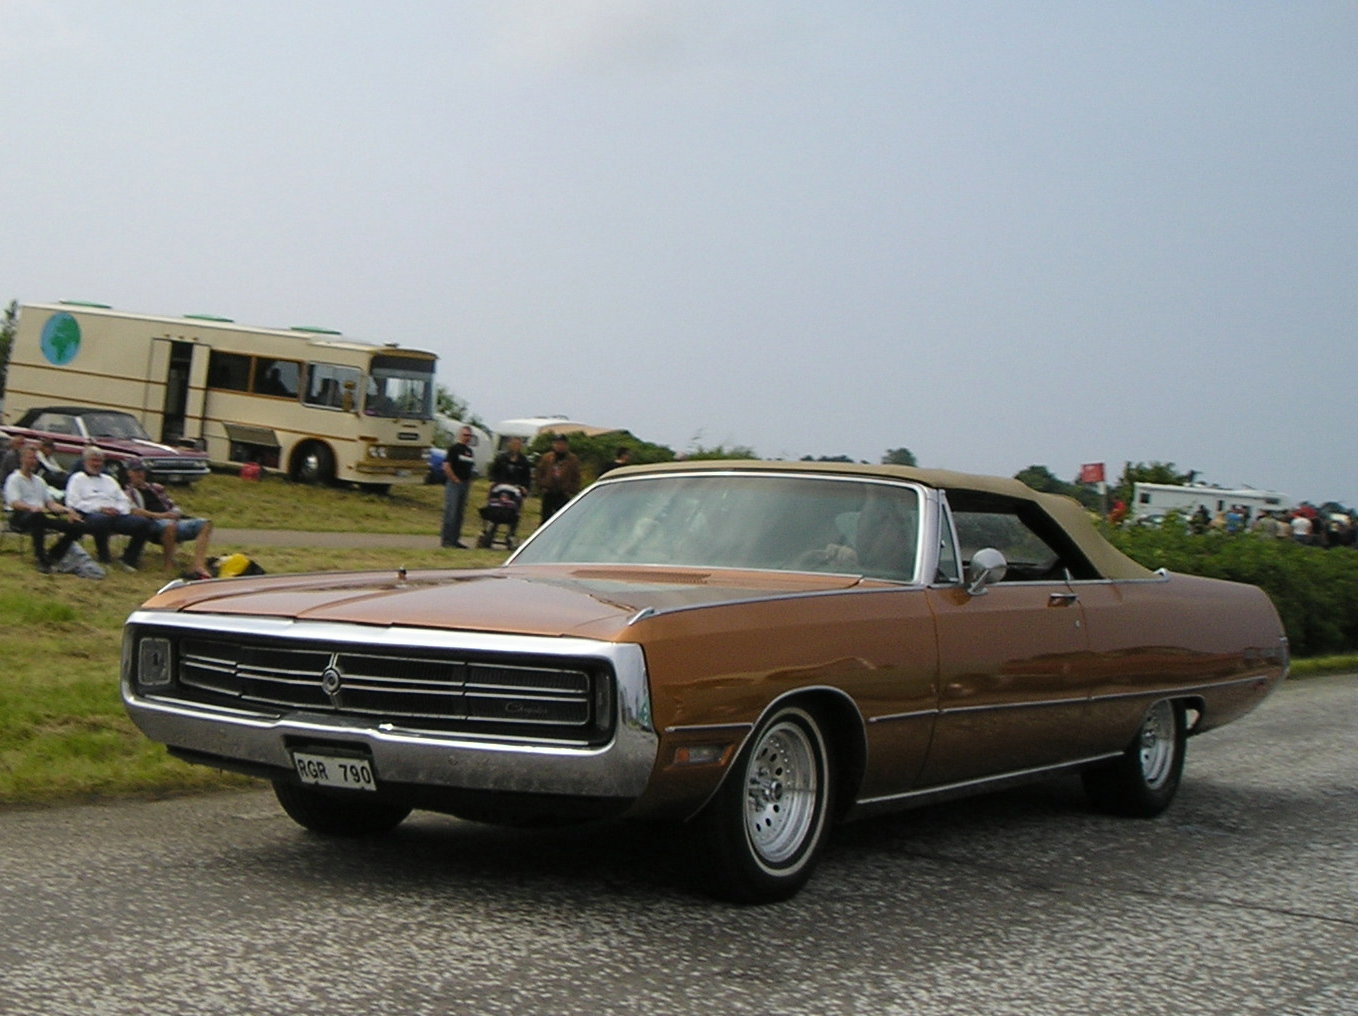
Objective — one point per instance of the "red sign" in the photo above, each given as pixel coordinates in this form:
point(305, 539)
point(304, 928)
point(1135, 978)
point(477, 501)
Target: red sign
point(1091, 472)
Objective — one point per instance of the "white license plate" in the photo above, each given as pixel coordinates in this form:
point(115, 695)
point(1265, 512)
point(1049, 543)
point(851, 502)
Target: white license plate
point(334, 771)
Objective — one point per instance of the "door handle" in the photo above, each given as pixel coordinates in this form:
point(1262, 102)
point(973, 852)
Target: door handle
point(1062, 599)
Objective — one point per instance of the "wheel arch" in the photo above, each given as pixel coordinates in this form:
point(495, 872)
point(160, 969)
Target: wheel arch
point(845, 733)
point(1195, 711)
point(306, 446)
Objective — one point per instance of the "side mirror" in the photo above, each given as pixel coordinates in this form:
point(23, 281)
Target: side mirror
point(986, 568)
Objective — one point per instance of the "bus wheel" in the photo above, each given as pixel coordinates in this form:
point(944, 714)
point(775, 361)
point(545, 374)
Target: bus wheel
point(313, 462)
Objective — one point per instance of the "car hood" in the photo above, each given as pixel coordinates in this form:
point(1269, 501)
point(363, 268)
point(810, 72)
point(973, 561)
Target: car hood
point(595, 600)
point(147, 449)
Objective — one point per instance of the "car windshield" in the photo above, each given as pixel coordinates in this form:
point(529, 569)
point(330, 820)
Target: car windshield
point(756, 520)
point(116, 425)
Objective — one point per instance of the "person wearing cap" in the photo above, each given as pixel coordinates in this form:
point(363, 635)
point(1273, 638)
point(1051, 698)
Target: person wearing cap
point(171, 526)
point(33, 510)
point(50, 469)
point(105, 509)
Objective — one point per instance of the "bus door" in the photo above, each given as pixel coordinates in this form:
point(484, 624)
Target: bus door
point(181, 410)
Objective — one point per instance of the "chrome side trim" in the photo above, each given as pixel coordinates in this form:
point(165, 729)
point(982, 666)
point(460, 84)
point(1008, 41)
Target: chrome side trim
point(892, 717)
point(1149, 693)
point(983, 783)
point(698, 728)
point(1189, 689)
point(1076, 700)
point(901, 587)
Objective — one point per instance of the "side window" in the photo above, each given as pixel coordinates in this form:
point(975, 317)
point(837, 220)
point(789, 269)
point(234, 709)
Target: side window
point(230, 371)
point(277, 377)
point(56, 423)
point(949, 564)
point(331, 386)
point(1037, 549)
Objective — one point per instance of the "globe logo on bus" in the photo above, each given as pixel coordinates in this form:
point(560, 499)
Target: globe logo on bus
point(60, 339)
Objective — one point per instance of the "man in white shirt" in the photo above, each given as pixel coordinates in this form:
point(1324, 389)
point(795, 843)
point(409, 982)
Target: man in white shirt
point(1302, 530)
point(30, 502)
point(105, 509)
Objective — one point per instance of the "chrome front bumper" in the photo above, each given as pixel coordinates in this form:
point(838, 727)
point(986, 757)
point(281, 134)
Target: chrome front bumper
point(620, 768)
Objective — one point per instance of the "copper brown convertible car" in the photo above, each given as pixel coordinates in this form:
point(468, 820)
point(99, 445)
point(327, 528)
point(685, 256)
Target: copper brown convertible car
point(753, 649)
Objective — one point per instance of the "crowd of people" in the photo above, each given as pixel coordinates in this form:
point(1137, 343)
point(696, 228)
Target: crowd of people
point(42, 500)
point(1305, 524)
point(556, 478)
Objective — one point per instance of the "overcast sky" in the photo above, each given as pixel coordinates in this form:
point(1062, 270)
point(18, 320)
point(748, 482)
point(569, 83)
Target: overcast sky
point(998, 234)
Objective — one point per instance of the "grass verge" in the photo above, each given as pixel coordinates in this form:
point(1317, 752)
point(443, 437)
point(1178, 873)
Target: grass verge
point(1317, 665)
point(63, 733)
point(276, 503)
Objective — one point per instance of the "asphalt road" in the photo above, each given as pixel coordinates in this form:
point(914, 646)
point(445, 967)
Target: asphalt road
point(1242, 900)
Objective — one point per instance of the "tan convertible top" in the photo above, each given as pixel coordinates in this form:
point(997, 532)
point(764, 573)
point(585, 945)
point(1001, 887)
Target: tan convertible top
point(1067, 512)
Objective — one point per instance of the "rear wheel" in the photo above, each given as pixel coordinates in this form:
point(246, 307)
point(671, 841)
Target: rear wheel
point(1142, 782)
point(767, 824)
point(313, 462)
point(332, 815)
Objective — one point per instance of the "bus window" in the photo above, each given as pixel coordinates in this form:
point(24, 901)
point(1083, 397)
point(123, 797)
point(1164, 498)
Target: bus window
point(400, 386)
point(230, 371)
point(327, 384)
point(277, 377)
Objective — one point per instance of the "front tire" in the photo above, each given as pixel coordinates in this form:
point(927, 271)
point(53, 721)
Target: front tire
point(767, 825)
point(1142, 782)
point(314, 463)
point(332, 815)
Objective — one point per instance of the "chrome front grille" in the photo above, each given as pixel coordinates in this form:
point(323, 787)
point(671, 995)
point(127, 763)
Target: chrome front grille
point(412, 690)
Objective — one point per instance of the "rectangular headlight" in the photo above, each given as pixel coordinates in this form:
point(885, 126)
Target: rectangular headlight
point(155, 667)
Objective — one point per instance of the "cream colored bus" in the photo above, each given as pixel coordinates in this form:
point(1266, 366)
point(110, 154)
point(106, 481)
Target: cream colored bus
point(303, 401)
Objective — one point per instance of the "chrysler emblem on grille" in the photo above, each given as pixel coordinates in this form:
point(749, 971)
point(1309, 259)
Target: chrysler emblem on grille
point(331, 679)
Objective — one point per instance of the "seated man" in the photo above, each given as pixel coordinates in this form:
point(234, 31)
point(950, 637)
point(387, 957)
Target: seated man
point(105, 509)
point(171, 527)
point(29, 502)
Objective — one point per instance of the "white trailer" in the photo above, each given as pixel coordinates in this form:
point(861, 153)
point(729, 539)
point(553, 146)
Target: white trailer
point(1156, 499)
point(528, 428)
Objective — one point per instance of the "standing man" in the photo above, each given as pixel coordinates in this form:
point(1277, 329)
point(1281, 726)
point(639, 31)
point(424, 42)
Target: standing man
point(457, 468)
point(105, 509)
point(558, 476)
point(29, 502)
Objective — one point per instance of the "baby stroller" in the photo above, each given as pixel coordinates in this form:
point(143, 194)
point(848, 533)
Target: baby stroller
point(501, 509)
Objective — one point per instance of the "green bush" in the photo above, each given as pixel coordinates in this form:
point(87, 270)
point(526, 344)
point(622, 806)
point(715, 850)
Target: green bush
point(1314, 590)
